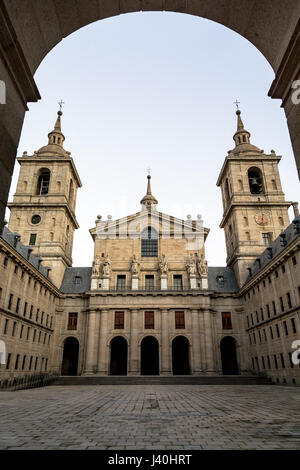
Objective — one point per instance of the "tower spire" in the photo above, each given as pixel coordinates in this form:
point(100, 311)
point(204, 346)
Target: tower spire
point(242, 137)
point(149, 201)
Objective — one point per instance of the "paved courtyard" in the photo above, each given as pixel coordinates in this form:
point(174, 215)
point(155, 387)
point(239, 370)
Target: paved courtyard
point(151, 417)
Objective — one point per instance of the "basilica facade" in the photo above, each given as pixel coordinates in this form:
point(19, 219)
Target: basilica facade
point(150, 304)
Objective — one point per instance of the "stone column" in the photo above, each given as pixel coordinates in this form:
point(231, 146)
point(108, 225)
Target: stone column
point(134, 356)
point(166, 361)
point(209, 349)
point(196, 353)
point(91, 344)
point(103, 358)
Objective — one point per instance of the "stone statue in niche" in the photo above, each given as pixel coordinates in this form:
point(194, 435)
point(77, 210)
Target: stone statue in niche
point(106, 267)
point(134, 266)
point(163, 265)
point(191, 266)
point(202, 266)
point(96, 266)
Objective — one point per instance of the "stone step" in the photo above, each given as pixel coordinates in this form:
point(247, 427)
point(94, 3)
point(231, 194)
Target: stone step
point(162, 380)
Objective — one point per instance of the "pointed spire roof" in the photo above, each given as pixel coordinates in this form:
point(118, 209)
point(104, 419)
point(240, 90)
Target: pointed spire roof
point(149, 201)
point(242, 137)
point(55, 140)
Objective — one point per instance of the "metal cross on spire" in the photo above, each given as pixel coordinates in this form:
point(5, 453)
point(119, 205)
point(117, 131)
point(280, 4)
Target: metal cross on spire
point(236, 102)
point(61, 103)
point(149, 171)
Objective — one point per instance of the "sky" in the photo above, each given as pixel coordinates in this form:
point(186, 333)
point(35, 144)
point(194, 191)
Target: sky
point(155, 90)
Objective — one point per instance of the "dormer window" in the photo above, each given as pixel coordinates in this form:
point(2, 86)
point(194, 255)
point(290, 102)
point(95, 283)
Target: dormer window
point(220, 279)
point(77, 280)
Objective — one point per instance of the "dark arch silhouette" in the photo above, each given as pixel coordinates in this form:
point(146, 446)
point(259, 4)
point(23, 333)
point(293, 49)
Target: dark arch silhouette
point(118, 356)
point(181, 356)
point(149, 356)
point(70, 357)
point(255, 181)
point(228, 356)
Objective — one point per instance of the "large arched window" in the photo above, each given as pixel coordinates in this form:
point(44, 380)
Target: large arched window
point(255, 181)
point(43, 182)
point(149, 246)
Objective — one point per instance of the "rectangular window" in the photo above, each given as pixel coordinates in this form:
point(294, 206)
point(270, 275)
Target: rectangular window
point(21, 331)
point(271, 333)
point(25, 309)
point(16, 269)
point(179, 320)
point(42, 317)
point(250, 339)
point(177, 281)
point(121, 282)
point(266, 239)
point(226, 321)
point(8, 360)
point(34, 335)
point(294, 260)
point(72, 321)
point(149, 320)
point(248, 324)
point(32, 239)
point(17, 361)
point(269, 362)
point(259, 335)
point(5, 261)
point(282, 361)
point(268, 310)
point(257, 319)
point(40, 334)
point(281, 304)
point(14, 328)
point(283, 268)
point(288, 296)
point(119, 320)
point(23, 362)
point(46, 364)
point(277, 330)
point(291, 361)
point(36, 363)
point(293, 325)
point(263, 362)
point(5, 327)
point(254, 337)
point(28, 333)
point(31, 312)
point(285, 328)
point(252, 319)
point(37, 314)
point(45, 337)
point(265, 335)
point(10, 301)
point(30, 362)
point(262, 314)
point(274, 307)
point(18, 304)
point(149, 282)
point(275, 361)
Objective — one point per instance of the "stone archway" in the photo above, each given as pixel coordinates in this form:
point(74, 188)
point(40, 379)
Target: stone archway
point(181, 356)
point(229, 356)
point(29, 30)
point(118, 356)
point(70, 356)
point(149, 356)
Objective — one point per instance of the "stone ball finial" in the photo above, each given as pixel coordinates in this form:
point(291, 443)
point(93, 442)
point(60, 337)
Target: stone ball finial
point(109, 217)
point(189, 216)
point(25, 152)
point(99, 217)
point(273, 151)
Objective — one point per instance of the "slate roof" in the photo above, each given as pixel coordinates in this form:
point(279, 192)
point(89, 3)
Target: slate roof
point(281, 243)
point(23, 250)
point(222, 279)
point(70, 285)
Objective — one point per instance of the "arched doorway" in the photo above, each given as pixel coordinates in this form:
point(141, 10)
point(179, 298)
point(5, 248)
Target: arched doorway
point(181, 356)
point(149, 356)
point(70, 357)
point(118, 356)
point(228, 356)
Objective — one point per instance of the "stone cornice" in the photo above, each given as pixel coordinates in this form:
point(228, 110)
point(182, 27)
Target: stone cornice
point(27, 266)
point(273, 264)
point(25, 320)
point(289, 68)
point(12, 55)
point(258, 204)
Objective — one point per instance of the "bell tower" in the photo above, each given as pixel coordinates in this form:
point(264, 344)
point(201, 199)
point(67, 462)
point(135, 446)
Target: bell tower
point(255, 209)
point(43, 207)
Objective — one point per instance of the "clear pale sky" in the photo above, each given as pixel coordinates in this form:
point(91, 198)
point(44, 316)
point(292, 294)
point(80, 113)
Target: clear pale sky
point(155, 90)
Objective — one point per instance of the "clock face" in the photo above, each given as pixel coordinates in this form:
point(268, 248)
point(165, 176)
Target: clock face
point(261, 219)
